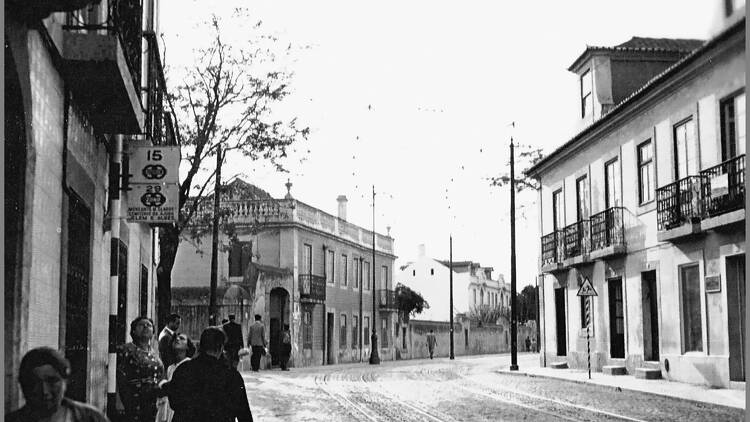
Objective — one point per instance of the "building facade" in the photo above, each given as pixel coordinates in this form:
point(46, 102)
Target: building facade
point(647, 202)
point(301, 266)
point(82, 79)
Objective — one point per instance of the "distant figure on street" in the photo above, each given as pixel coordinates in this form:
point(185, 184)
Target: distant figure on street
point(286, 347)
point(43, 376)
point(184, 350)
point(234, 342)
point(528, 344)
point(431, 342)
point(165, 339)
point(204, 389)
point(139, 371)
point(257, 341)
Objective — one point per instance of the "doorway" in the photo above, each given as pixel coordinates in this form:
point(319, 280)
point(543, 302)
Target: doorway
point(277, 319)
point(562, 349)
point(616, 319)
point(736, 316)
point(650, 309)
point(329, 339)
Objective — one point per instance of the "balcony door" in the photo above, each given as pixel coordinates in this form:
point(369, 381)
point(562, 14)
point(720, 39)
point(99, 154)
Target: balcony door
point(558, 218)
point(684, 144)
point(307, 259)
point(611, 185)
point(733, 127)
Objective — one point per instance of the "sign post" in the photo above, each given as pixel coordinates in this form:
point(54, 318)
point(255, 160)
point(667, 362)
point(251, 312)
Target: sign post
point(586, 290)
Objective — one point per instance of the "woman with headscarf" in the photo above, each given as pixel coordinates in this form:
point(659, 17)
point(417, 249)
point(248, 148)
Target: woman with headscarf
point(139, 371)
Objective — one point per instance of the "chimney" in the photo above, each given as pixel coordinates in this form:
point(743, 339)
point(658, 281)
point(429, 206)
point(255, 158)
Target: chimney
point(421, 250)
point(342, 206)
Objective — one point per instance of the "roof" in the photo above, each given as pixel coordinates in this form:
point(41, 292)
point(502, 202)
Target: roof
point(647, 87)
point(643, 45)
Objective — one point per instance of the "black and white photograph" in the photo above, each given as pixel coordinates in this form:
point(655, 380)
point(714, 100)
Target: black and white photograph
point(417, 211)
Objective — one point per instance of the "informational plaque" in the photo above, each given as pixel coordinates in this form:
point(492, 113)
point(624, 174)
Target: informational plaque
point(153, 202)
point(719, 185)
point(713, 284)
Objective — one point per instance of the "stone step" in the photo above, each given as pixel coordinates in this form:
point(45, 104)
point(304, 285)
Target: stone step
point(651, 364)
point(559, 365)
point(648, 373)
point(614, 370)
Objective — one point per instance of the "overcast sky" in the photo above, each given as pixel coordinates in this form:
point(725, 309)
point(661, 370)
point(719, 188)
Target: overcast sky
point(417, 97)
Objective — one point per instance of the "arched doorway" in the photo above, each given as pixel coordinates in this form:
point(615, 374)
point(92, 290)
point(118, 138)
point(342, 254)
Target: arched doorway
point(278, 316)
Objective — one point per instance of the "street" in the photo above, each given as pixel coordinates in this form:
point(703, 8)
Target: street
point(466, 389)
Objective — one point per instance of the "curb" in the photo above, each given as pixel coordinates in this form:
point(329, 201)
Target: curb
point(614, 388)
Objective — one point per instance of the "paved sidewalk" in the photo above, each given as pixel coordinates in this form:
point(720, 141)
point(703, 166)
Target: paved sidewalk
point(529, 366)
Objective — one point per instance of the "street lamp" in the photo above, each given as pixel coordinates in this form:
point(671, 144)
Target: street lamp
point(374, 358)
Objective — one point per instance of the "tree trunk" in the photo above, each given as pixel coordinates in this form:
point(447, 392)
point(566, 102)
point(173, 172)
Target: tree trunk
point(169, 240)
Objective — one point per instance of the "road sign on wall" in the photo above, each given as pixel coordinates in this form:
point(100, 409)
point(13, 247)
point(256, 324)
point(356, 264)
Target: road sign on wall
point(587, 289)
point(153, 202)
point(154, 164)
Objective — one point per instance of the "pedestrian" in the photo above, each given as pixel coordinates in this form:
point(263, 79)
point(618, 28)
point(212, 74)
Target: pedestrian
point(166, 354)
point(234, 343)
point(183, 350)
point(257, 342)
point(43, 376)
point(286, 347)
point(528, 344)
point(204, 389)
point(139, 370)
point(431, 342)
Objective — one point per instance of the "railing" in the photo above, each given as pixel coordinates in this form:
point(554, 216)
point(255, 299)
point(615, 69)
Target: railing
point(607, 228)
point(159, 127)
point(576, 239)
point(387, 299)
point(552, 248)
point(312, 287)
point(724, 186)
point(679, 202)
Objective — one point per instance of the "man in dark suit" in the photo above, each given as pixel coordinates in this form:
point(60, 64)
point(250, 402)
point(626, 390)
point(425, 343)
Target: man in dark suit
point(257, 341)
point(166, 354)
point(234, 342)
point(205, 389)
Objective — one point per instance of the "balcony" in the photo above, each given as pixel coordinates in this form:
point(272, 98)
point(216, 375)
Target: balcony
point(387, 299)
point(312, 288)
point(576, 238)
point(608, 233)
point(724, 193)
point(679, 208)
point(553, 252)
point(158, 123)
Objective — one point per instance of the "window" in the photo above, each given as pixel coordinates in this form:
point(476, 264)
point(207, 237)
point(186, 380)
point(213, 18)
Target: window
point(355, 331)
point(330, 267)
point(239, 258)
point(432, 271)
point(558, 218)
point(366, 274)
point(611, 184)
point(307, 259)
point(342, 331)
point(582, 194)
point(413, 273)
point(384, 333)
point(692, 325)
point(384, 277)
point(366, 331)
point(357, 274)
point(344, 271)
point(731, 6)
point(587, 100)
point(585, 299)
point(733, 127)
point(684, 136)
point(307, 329)
point(645, 172)
point(475, 297)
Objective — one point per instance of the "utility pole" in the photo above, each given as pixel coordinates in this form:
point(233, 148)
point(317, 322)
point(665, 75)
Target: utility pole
point(374, 358)
point(215, 242)
point(450, 268)
point(359, 323)
point(513, 317)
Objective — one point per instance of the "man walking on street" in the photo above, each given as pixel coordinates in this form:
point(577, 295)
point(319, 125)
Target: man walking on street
point(257, 341)
point(166, 353)
point(431, 342)
point(234, 340)
point(286, 347)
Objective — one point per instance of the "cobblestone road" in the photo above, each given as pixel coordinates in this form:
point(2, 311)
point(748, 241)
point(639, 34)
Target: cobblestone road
point(466, 389)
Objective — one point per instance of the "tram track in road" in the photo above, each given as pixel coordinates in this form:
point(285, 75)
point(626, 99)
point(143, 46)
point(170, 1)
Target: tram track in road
point(321, 381)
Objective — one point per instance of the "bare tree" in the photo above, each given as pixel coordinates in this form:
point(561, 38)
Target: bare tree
point(226, 99)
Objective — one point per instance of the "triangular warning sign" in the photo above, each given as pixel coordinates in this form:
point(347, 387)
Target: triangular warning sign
point(586, 289)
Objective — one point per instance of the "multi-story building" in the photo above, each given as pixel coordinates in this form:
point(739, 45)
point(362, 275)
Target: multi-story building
point(473, 286)
point(301, 266)
point(647, 202)
point(83, 82)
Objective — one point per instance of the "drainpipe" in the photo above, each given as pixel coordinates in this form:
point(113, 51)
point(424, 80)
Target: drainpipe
point(114, 207)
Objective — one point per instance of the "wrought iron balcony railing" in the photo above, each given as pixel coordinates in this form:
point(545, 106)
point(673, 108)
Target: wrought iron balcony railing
point(387, 299)
point(312, 287)
point(607, 228)
point(577, 239)
point(159, 127)
point(724, 186)
point(553, 247)
point(679, 202)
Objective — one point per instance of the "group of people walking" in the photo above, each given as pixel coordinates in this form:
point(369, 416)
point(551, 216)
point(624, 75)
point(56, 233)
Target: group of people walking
point(176, 383)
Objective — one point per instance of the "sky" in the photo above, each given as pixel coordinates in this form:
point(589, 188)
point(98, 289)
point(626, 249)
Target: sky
point(420, 99)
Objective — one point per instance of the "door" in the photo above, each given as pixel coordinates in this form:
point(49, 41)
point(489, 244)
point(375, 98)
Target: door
point(77, 296)
point(736, 316)
point(329, 339)
point(277, 319)
point(650, 316)
point(560, 321)
point(275, 340)
point(616, 319)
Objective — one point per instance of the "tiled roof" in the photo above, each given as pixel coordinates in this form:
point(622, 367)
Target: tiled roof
point(660, 44)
